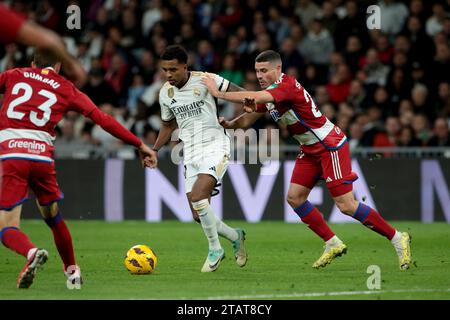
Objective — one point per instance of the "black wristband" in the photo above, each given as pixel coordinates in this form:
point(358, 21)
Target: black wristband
point(155, 149)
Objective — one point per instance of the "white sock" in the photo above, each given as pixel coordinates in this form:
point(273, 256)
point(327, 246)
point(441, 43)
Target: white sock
point(333, 241)
point(226, 231)
point(397, 238)
point(30, 253)
point(208, 221)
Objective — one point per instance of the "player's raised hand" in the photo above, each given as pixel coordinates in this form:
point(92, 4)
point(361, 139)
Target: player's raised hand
point(209, 82)
point(249, 105)
point(149, 157)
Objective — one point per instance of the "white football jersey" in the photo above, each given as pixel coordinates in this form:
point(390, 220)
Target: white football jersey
point(195, 111)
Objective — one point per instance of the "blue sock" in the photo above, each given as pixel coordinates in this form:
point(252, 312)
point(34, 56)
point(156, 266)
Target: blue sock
point(361, 212)
point(304, 209)
point(4, 229)
point(53, 221)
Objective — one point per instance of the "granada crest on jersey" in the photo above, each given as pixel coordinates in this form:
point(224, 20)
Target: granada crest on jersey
point(170, 92)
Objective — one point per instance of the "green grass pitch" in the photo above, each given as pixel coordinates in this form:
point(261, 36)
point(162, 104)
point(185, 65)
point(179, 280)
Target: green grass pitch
point(279, 265)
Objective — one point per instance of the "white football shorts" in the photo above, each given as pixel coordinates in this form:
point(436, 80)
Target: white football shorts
point(214, 165)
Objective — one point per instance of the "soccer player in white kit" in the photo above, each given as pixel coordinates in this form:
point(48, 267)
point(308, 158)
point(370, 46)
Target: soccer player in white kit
point(185, 101)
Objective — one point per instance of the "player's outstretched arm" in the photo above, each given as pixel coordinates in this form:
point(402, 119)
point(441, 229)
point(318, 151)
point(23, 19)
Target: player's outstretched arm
point(165, 133)
point(34, 35)
point(109, 124)
point(258, 96)
point(243, 121)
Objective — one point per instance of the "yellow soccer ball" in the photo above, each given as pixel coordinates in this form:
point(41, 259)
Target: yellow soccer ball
point(141, 259)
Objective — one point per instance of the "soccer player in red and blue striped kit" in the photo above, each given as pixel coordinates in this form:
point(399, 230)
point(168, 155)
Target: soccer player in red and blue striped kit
point(35, 100)
point(324, 153)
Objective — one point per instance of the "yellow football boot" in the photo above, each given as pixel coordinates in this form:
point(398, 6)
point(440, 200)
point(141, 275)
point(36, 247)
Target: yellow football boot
point(331, 252)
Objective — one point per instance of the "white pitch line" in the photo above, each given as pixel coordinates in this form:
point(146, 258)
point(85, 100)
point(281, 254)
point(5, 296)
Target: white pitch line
point(321, 294)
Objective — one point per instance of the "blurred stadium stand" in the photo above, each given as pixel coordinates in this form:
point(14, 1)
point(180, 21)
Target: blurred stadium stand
point(387, 88)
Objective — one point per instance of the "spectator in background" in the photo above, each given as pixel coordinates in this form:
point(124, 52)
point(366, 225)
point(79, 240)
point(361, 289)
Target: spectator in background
point(441, 64)
point(402, 44)
point(389, 137)
point(206, 59)
point(12, 58)
point(384, 49)
point(151, 16)
point(289, 55)
point(443, 99)
point(115, 75)
point(441, 134)
point(217, 36)
point(230, 72)
point(419, 97)
point(339, 86)
point(381, 100)
point(135, 91)
point(416, 9)
point(407, 138)
point(376, 71)
point(435, 23)
point(231, 15)
point(322, 97)
point(68, 145)
point(278, 25)
point(357, 95)
point(329, 16)
point(307, 10)
point(353, 24)
point(355, 136)
point(353, 52)
point(393, 16)
point(318, 44)
point(398, 86)
point(421, 127)
point(372, 126)
point(130, 29)
point(99, 90)
point(421, 44)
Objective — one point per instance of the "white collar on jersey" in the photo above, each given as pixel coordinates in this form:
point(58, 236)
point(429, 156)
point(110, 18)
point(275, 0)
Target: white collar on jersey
point(50, 68)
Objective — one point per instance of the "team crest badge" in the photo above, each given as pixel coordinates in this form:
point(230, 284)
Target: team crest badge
point(170, 92)
point(197, 92)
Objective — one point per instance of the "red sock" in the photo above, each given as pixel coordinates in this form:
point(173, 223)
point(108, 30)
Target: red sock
point(315, 221)
point(63, 240)
point(16, 240)
point(373, 220)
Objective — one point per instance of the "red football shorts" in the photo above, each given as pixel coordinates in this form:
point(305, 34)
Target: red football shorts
point(19, 175)
point(335, 167)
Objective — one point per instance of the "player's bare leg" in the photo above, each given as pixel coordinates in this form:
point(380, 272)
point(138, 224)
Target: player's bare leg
point(235, 236)
point(200, 193)
point(63, 240)
point(13, 238)
point(373, 220)
point(310, 215)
